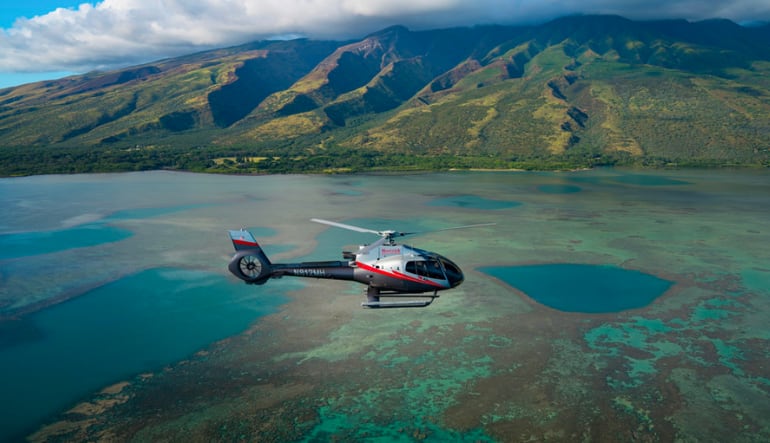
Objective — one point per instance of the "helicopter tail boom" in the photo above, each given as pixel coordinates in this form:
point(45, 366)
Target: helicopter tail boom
point(250, 264)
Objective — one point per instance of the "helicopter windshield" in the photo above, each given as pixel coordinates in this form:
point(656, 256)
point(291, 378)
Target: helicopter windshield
point(453, 272)
point(427, 268)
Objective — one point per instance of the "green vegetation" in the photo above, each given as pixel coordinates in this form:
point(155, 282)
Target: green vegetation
point(577, 92)
point(244, 161)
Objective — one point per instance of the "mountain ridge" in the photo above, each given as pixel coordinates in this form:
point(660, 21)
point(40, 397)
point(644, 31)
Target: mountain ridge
point(576, 91)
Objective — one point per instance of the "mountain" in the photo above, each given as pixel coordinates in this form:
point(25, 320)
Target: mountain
point(576, 91)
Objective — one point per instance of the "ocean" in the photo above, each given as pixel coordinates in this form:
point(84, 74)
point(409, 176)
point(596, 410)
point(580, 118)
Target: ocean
point(603, 304)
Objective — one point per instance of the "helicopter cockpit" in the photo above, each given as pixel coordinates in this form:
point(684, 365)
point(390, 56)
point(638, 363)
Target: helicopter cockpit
point(437, 267)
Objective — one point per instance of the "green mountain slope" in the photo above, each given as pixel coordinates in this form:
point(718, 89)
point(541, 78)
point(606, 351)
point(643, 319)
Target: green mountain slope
point(577, 91)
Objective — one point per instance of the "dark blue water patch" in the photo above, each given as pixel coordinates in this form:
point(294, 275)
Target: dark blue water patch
point(473, 202)
point(25, 244)
point(136, 324)
point(583, 288)
point(559, 189)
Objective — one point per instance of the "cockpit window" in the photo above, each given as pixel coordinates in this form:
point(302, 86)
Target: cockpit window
point(451, 267)
point(453, 273)
point(428, 268)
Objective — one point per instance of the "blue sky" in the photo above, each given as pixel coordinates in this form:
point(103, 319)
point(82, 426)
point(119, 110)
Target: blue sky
point(9, 12)
point(47, 39)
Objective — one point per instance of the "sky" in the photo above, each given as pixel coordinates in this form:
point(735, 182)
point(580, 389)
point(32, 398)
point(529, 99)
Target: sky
point(48, 39)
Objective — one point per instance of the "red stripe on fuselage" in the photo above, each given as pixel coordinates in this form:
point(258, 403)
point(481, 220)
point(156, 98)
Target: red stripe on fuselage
point(398, 275)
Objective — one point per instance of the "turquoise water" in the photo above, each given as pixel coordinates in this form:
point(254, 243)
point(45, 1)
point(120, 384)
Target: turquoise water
point(583, 288)
point(473, 202)
point(336, 427)
point(150, 212)
point(26, 244)
point(648, 180)
point(139, 323)
point(80, 231)
point(559, 189)
point(609, 176)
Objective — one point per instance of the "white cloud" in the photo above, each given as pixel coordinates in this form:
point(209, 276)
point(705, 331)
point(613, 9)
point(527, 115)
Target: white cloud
point(122, 32)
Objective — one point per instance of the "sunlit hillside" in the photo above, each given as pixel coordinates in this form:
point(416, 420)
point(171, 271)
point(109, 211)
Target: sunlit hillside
point(574, 92)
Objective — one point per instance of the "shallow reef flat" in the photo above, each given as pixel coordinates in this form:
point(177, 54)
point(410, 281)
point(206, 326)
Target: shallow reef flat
point(493, 359)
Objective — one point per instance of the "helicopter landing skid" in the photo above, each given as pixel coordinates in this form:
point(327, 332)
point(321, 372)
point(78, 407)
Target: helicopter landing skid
point(373, 300)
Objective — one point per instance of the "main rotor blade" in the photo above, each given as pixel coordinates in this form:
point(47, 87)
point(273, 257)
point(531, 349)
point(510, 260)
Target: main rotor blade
point(391, 234)
point(460, 227)
point(344, 226)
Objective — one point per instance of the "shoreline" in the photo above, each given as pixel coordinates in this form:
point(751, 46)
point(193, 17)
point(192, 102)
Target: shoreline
point(409, 171)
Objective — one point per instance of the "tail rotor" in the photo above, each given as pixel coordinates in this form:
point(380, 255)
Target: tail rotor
point(249, 263)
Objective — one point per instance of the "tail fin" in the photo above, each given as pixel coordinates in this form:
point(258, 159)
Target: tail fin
point(242, 239)
point(249, 262)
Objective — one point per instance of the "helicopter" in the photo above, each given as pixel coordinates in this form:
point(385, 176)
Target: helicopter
point(387, 268)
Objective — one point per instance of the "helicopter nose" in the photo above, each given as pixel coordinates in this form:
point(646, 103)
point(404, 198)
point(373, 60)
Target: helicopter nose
point(455, 278)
